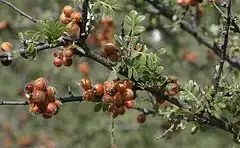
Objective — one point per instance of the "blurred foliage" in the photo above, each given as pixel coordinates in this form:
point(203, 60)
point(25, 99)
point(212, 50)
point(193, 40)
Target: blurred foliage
point(77, 125)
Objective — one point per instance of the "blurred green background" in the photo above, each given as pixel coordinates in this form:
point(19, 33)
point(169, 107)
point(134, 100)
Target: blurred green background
point(76, 125)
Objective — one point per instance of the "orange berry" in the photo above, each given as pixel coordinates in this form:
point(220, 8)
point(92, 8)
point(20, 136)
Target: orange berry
point(85, 83)
point(33, 108)
point(68, 52)
point(130, 104)
point(58, 104)
point(38, 96)
point(57, 62)
point(73, 29)
point(84, 68)
point(51, 107)
point(128, 84)
point(51, 91)
point(41, 84)
point(107, 98)
point(76, 16)
point(6, 46)
point(129, 94)
point(98, 90)
point(63, 19)
point(88, 95)
point(68, 10)
point(118, 100)
point(141, 118)
point(67, 61)
point(120, 87)
point(29, 88)
point(110, 49)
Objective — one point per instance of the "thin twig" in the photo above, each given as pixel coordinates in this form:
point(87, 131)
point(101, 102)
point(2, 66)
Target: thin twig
point(223, 49)
point(62, 99)
point(170, 129)
point(18, 10)
point(112, 131)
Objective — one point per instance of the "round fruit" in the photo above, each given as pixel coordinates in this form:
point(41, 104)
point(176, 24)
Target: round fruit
point(98, 90)
point(67, 52)
point(120, 87)
point(107, 98)
point(118, 100)
point(6, 46)
point(129, 104)
point(41, 84)
point(141, 118)
point(110, 49)
point(57, 62)
point(34, 109)
point(67, 61)
point(29, 88)
point(68, 10)
point(51, 108)
point(51, 91)
point(88, 95)
point(38, 96)
point(58, 104)
point(63, 19)
point(73, 29)
point(128, 94)
point(84, 68)
point(85, 83)
point(128, 84)
point(76, 16)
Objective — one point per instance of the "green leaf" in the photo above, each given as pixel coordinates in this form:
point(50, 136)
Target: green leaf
point(143, 59)
point(98, 107)
point(130, 72)
point(150, 62)
point(159, 69)
point(132, 23)
point(135, 74)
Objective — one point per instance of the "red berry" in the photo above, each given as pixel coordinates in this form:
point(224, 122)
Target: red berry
point(68, 10)
point(41, 84)
point(51, 108)
point(128, 94)
point(107, 98)
point(118, 100)
point(58, 104)
point(130, 104)
point(98, 90)
point(88, 95)
point(76, 16)
point(85, 83)
point(141, 118)
point(38, 97)
point(67, 61)
point(29, 87)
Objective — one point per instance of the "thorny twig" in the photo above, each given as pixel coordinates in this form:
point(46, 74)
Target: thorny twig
point(223, 48)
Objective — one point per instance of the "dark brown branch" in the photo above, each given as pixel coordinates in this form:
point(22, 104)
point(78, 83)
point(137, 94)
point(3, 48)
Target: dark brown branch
point(62, 99)
point(18, 10)
point(85, 8)
point(223, 48)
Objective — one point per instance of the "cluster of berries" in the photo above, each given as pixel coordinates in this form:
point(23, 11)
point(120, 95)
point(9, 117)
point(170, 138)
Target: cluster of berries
point(117, 94)
point(63, 57)
point(6, 47)
point(71, 19)
point(104, 38)
point(42, 98)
